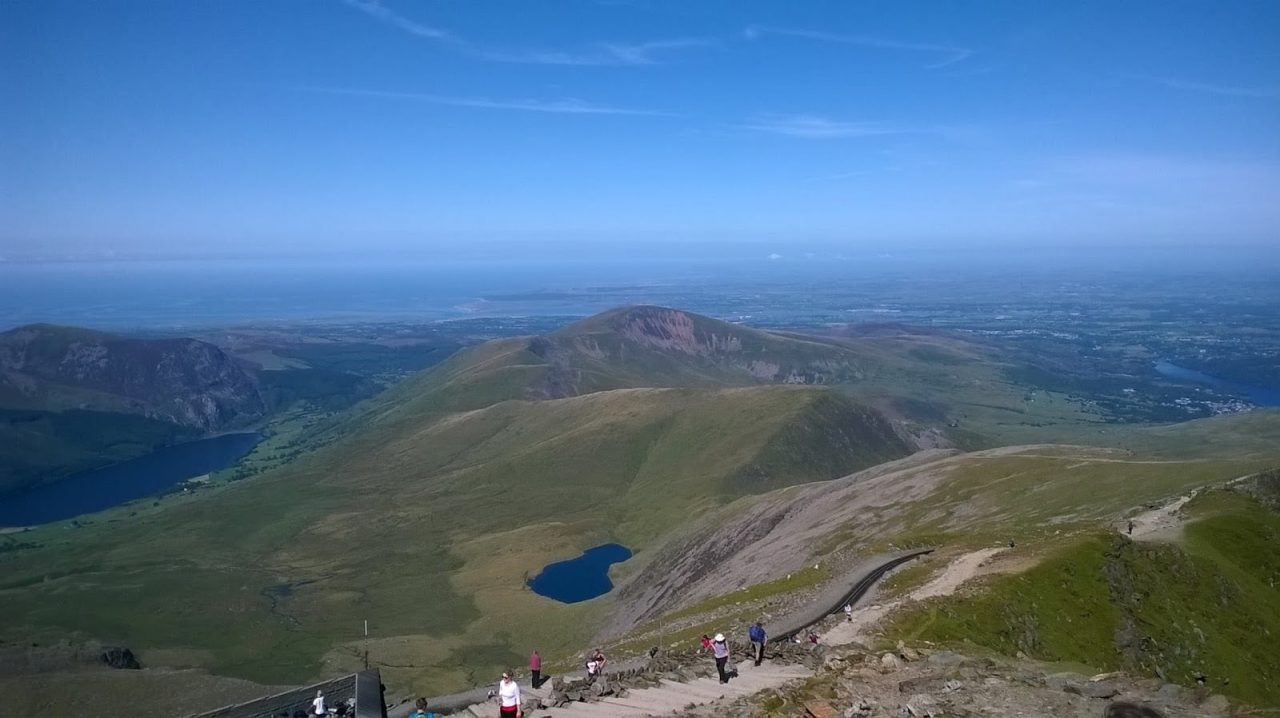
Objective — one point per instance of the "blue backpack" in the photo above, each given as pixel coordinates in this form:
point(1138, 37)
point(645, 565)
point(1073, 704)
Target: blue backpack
point(756, 633)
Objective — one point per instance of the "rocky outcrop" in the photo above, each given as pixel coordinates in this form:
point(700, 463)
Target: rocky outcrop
point(184, 381)
point(671, 330)
point(120, 657)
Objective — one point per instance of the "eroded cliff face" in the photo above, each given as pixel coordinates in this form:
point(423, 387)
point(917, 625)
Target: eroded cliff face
point(674, 331)
point(185, 381)
point(636, 346)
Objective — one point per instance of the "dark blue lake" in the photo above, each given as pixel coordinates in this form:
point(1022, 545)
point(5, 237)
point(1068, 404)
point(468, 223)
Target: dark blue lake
point(1259, 395)
point(581, 578)
point(99, 489)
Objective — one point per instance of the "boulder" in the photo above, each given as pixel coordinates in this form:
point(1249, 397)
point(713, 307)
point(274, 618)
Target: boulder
point(1123, 709)
point(120, 657)
point(945, 658)
point(890, 662)
point(1100, 689)
point(922, 684)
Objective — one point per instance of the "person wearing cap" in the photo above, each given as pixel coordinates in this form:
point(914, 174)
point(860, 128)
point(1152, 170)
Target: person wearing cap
point(508, 697)
point(720, 649)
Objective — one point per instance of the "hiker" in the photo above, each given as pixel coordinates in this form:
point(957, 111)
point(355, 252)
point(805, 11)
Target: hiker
point(317, 705)
point(599, 658)
point(758, 637)
point(813, 638)
point(420, 710)
point(508, 697)
point(720, 649)
point(593, 668)
point(535, 668)
point(1130, 528)
point(848, 611)
point(706, 643)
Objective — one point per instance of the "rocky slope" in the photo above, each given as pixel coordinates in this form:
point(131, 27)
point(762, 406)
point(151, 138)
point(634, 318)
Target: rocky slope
point(184, 381)
point(854, 682)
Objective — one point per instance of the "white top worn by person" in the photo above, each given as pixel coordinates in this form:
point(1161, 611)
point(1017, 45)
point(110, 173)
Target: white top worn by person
point(317, 705)
point(508, 692)
point(720, 647)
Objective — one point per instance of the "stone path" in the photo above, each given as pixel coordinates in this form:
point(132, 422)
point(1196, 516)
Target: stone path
point(668, 698)
point(1159, 524)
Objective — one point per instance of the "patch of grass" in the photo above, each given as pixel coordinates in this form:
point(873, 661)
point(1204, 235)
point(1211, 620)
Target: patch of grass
point(908, 578)
point(1211, 606)
point(1058, 611)
point(804, 578)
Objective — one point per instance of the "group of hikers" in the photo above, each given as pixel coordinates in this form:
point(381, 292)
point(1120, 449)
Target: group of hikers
point(508, 691)
point(718, 647)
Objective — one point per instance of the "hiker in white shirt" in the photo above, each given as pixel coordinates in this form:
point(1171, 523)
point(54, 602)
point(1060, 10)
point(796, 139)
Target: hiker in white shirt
point(720, 649)
point(317, 705)
point(508, 697)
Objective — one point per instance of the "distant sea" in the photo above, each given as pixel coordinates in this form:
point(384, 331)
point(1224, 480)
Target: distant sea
point(176, 294)
point(119, 295)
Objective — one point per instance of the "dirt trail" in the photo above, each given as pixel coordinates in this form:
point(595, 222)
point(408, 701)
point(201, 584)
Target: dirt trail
point(865, 618)
point(1159, 524)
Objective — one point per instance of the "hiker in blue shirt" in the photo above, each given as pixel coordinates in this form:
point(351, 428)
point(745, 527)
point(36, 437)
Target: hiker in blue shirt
point(758, 637)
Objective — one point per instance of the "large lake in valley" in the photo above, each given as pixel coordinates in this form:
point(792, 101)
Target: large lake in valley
point(1260, 395)
point(581, 578)
point(99, 489)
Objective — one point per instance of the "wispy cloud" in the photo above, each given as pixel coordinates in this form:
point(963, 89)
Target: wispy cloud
point(382, 13)
point(815, 127)
point(1174, 83)
point(945, 54)
point(652, 52)
point(564, 106)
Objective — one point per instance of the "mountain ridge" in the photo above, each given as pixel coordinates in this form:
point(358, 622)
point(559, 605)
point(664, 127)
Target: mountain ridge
point(185, 381)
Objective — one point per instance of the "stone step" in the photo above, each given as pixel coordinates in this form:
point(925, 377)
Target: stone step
point(697, 689)
point(656, 699)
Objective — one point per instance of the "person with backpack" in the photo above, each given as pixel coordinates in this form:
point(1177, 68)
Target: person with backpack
point(758, 637)
point(720, 649)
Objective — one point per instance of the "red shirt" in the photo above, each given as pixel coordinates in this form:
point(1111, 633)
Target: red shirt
point(535, 662)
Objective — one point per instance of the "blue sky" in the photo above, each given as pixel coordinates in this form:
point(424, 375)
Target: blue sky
point(265, 127)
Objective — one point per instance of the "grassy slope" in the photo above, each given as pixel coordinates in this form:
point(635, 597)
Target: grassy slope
point(47, 445)
point(420, 526)
point(1210, 605)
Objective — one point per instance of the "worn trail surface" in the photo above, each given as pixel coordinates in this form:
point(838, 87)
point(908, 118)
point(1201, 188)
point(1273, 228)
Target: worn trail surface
point(671, 696)
point(865, 618)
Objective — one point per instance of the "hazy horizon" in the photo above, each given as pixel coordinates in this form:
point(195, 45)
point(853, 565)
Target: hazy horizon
point(393, 128)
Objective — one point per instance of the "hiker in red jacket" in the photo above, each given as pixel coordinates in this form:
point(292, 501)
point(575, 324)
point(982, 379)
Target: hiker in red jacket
point(535, 668)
